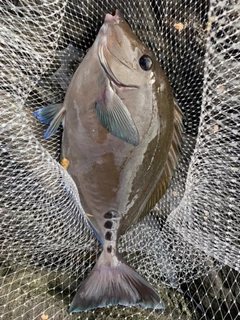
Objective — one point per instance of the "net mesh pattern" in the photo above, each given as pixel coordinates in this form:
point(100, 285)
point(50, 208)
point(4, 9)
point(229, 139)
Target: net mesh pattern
point(188, 246)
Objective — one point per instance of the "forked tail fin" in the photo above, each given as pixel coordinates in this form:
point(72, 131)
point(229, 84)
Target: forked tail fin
point(114, 282)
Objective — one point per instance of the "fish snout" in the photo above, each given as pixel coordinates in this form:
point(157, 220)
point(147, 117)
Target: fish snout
point(116, 18)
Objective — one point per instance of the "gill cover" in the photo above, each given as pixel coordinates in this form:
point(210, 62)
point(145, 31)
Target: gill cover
point(111, 111)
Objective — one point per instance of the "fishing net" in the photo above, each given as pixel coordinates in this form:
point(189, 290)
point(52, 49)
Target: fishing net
point(188, 247)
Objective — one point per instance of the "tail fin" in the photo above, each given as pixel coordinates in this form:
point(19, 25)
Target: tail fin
point(114, 283)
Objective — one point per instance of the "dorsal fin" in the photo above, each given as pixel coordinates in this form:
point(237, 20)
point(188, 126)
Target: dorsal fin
point(171, 163)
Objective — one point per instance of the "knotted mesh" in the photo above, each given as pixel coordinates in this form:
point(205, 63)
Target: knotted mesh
point(188, 247)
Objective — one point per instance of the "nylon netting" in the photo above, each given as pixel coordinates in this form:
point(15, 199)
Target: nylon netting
point(188, 247)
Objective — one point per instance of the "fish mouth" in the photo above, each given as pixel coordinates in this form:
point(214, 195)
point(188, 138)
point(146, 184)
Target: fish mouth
point(115, 18)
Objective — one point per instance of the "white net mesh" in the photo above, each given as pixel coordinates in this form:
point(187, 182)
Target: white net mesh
point(188, 247)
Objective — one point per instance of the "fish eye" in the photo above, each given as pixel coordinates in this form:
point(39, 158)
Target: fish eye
point(145, 62)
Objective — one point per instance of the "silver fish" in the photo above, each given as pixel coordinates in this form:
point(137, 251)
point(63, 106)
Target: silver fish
point(121, 138)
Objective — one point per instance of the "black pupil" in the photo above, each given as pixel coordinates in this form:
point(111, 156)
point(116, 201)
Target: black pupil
point(145, 62)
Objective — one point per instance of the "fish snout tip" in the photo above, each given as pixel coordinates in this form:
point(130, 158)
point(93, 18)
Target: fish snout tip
point(115, 18)
point(108, 18)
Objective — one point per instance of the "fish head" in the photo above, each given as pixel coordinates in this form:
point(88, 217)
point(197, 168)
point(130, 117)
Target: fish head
point(134, 74)
point(131, 62)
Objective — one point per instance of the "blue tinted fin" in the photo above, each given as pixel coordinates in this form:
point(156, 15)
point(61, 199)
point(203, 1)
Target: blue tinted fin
point(55, 123)
point(46, 114)
point(52, 114)
point(115, 117)
point(113, 282)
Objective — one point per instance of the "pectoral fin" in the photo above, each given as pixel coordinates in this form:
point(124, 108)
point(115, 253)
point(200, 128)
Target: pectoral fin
point(115, 117)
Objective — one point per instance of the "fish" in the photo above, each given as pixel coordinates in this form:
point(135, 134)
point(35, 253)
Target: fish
point(122, 133)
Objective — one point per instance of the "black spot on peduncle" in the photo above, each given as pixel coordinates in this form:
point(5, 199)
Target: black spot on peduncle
point(109, 249)
point(108, 224)
point(108, 235)
point(110, 214)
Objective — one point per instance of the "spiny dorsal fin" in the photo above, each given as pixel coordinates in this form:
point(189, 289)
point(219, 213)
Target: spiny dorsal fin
point(171, 163)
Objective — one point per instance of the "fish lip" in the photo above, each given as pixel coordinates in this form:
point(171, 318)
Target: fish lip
point(116, 18)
